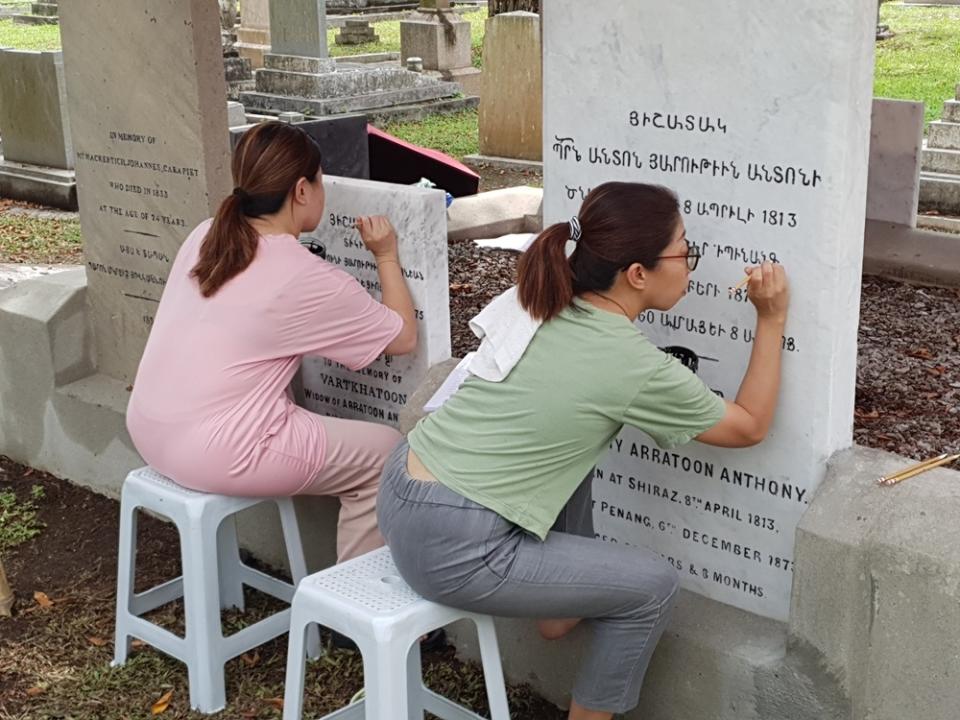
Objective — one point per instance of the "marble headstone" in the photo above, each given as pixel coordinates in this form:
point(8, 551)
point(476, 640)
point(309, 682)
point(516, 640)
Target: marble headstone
point(150, 165)
point(758, 116)
point(378, 392)
point(298, 27)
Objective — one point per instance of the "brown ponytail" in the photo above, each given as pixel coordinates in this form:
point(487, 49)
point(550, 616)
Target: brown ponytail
point(268, 162)
point(621, 224)
point(545, 281)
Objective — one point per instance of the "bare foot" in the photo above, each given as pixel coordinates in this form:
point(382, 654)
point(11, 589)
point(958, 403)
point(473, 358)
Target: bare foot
point(556, 629)
point(580, 713)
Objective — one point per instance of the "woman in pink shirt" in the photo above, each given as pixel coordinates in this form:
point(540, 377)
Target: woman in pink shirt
point(244, 302)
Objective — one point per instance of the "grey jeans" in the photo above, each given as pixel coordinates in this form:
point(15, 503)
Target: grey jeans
point(456, 552)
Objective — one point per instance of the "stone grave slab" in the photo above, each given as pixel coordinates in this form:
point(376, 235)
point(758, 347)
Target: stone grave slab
point(769, 158)
point(896, 145)
point(378, 392)
point(150, 169)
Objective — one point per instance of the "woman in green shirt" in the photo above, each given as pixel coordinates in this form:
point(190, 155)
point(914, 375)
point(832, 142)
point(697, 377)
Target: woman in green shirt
point(467, 506)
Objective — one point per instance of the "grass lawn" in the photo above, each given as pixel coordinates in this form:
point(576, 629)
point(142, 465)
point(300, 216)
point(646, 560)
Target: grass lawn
point(39, 241)
point(454, 134)
point(922, 61)
point(47, 37)
point(29, 37)
point(389, 33)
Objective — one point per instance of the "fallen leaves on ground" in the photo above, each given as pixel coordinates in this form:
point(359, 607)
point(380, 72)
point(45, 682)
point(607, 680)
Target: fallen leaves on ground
point(162, 703)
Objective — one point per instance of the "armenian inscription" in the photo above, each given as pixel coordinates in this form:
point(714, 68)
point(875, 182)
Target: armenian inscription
point(769, 160)
point(378, 392)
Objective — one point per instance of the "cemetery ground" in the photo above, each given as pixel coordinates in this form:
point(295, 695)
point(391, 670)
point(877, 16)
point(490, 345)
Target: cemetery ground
point(59, 545)
point(59, 540)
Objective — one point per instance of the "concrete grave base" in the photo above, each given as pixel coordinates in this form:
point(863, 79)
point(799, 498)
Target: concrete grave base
point(35, 20)
point(442, 42)
point(876, 583)
point(494, 213)
point(926, 257)
point(938, 223)
point(321, 86)
point(503, 163)
point(470, 79)
point(62, 417)
point(38, 184)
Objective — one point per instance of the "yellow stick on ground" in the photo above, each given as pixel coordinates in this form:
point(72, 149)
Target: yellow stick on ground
point(6, 595)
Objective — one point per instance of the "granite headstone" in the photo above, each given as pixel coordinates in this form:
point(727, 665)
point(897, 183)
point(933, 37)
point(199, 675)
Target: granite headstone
point(342, 140)
point(153, 158)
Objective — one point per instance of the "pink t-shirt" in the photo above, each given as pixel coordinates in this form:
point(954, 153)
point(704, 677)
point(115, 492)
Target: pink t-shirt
point(209, 407)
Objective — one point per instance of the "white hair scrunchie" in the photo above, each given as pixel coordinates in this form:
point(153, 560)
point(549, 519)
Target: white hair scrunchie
point(575, 231)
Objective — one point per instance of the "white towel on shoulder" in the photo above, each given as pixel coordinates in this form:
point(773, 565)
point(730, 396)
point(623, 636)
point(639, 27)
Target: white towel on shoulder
point(505, 330)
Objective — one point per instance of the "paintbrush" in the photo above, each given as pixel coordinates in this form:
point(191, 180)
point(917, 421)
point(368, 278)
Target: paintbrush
point(734, 288)
point(921, 467)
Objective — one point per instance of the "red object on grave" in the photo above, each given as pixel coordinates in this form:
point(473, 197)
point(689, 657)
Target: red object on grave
point(397, 161)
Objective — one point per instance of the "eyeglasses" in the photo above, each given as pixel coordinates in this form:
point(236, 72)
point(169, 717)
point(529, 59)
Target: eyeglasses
point(692, 256)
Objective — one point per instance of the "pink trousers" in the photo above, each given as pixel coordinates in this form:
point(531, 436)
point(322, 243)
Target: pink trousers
point(354, 458)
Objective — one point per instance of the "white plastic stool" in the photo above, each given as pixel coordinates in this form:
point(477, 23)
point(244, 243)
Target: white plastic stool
point(366, 600)
point(213, 578)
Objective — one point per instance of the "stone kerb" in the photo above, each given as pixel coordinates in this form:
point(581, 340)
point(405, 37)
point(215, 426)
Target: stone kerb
point(877, 586)
point(760, 174)
point(353, 6)
point(42, 13)
point(45, 424)
point(378, 392)
point(356, 32)
point(318, 86)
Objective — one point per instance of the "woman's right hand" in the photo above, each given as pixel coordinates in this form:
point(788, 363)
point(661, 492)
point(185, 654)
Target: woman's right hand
point(378, 236)
point(768, 290)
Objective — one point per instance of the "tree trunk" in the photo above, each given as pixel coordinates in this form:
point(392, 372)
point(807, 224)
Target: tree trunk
point(495, 7)
point(6, 596)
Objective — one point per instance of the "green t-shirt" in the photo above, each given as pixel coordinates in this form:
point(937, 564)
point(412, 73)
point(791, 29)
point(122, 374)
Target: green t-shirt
point(522, 446)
